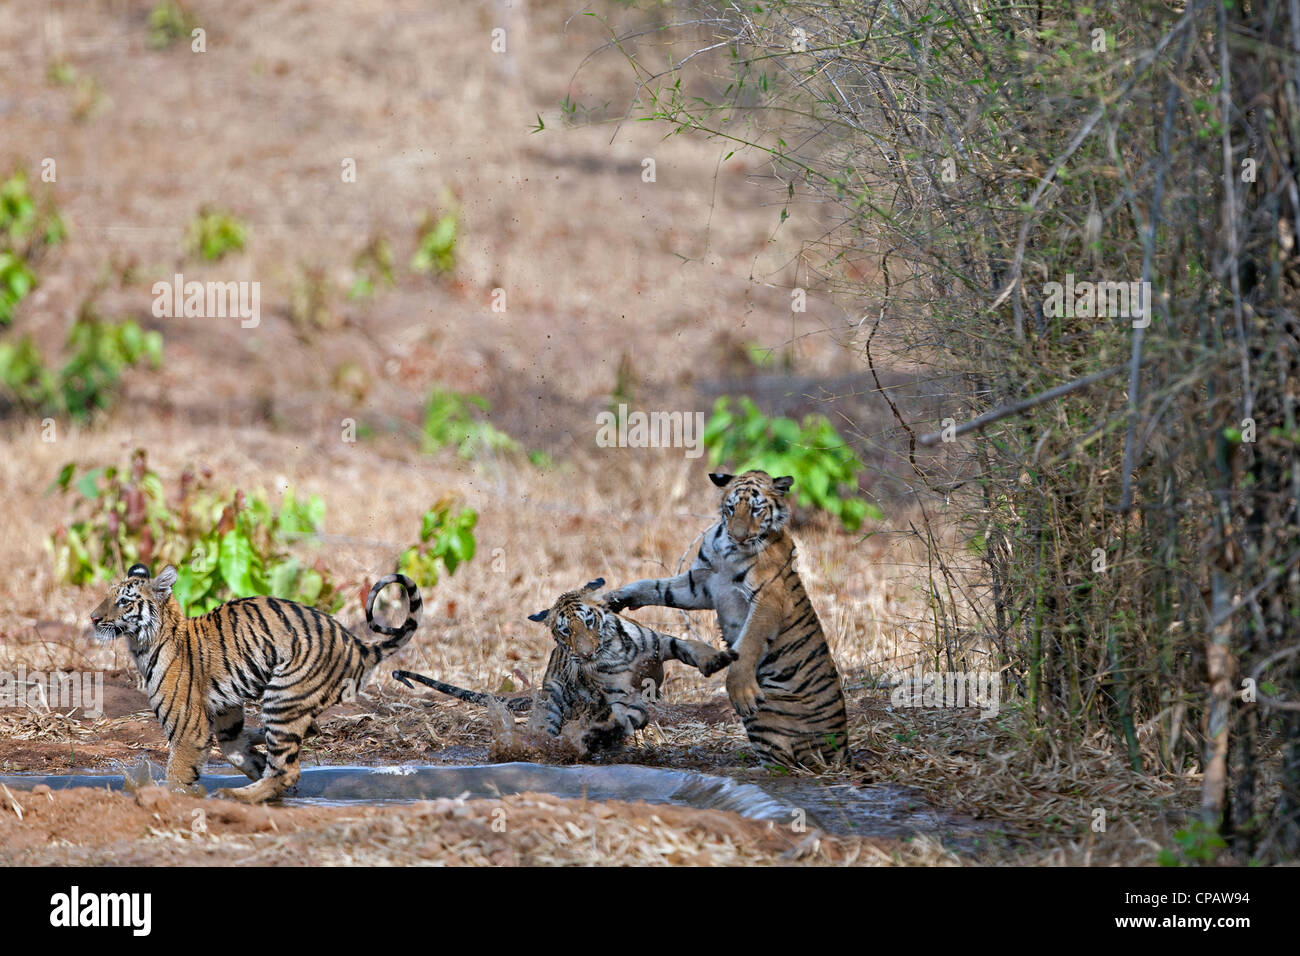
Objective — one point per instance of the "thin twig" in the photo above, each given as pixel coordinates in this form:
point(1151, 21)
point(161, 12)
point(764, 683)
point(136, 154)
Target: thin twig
point(1023, 405)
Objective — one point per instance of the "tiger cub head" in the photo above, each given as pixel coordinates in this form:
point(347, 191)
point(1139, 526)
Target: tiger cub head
point(134, 607)
point(753, 505)
point(576, 619)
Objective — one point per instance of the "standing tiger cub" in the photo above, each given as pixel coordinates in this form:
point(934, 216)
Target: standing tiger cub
point(784, 683)
point(199, 671)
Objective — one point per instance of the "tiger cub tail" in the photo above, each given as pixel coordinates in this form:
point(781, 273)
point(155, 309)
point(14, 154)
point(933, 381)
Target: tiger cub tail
point(397, 636)
point(515, 705)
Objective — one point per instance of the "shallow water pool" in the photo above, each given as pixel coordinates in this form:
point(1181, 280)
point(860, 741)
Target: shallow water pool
point(834, 807)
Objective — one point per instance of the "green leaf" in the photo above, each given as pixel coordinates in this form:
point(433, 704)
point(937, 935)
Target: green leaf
point(310, 586)
point(282, 578)
point(88, 484)
point(183, 590)
point(236, 560)
point(64, 476)
point(432, 523)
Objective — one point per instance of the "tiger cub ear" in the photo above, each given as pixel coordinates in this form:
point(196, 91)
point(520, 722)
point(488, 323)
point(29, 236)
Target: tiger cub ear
point(162, 585)
point(721, 480)
point(540, 615)
point(138, 571)
point(595, 585)
point(782, 485)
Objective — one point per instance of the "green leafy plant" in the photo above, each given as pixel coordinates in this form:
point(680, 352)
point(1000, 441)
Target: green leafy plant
point(26, 230)
point(766, 357)
point(824, 469)
point(351, 379)
point(87, 95)
point(215, 234)
point(372, 267)
point(436, 248)
point(169, 21)
point(99, 351)
point(61, 73)
point(25, 226)
point(1195, 844)
point(445, 538)
point(311, 302)
point(760, 356)
point(451, 418)
point(23, 375)
point(245, 553)
point(119, 515)
point(16, 281)
point(224, 544)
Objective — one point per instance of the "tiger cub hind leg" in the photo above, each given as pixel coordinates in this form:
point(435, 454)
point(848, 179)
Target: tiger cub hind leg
point(783, 735)
point(283, 746)
point(286, 721)
point(822, 752)
point(237, 743)
point(252, 762)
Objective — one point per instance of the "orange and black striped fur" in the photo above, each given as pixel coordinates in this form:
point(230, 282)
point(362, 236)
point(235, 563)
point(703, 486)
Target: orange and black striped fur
point(784, 683)
point(603, 672)
point(199, 671)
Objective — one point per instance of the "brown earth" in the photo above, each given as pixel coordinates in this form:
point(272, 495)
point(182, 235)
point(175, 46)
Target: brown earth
point(153, 827)
point(680, 281)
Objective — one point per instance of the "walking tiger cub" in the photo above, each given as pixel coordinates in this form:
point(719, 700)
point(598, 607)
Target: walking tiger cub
point(784, 683)
point(199, 671)
point(602, 672)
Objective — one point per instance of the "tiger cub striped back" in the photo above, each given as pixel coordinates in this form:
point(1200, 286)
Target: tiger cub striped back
point(199, 671)
point(603, 672)
point(784, 683)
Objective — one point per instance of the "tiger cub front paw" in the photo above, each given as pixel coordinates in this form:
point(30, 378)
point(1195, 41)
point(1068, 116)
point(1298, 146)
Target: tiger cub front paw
point(616, 602)
point(717, 662)
point(744, 692)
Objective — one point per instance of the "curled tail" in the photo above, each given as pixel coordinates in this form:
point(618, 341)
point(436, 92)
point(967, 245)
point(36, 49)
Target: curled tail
point(397, 636)
point(516, 705)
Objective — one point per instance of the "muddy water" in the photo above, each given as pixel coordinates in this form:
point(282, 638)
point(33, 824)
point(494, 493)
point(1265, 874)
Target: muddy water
point(835, 808)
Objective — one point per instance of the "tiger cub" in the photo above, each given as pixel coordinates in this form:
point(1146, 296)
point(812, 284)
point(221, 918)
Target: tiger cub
point(784, 683)
point(199, 671)
point(602, 673)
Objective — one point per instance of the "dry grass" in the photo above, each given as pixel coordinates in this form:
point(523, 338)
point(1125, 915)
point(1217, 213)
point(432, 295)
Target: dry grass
point(994, 770)
point(553, 531)
point(1024, 810)
point(598, 265)
point(528, 829)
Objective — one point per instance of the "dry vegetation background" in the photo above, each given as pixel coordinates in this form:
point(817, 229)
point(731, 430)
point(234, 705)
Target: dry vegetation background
point(673, 280)
point(599, 268)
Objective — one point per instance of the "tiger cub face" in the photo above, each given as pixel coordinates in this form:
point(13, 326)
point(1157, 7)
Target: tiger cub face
point(133, 607)
point(576, 620)
point(753, 505)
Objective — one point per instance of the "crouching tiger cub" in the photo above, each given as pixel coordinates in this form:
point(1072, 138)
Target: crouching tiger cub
point(199, 671)
point(784, 683)
point(602, 672)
